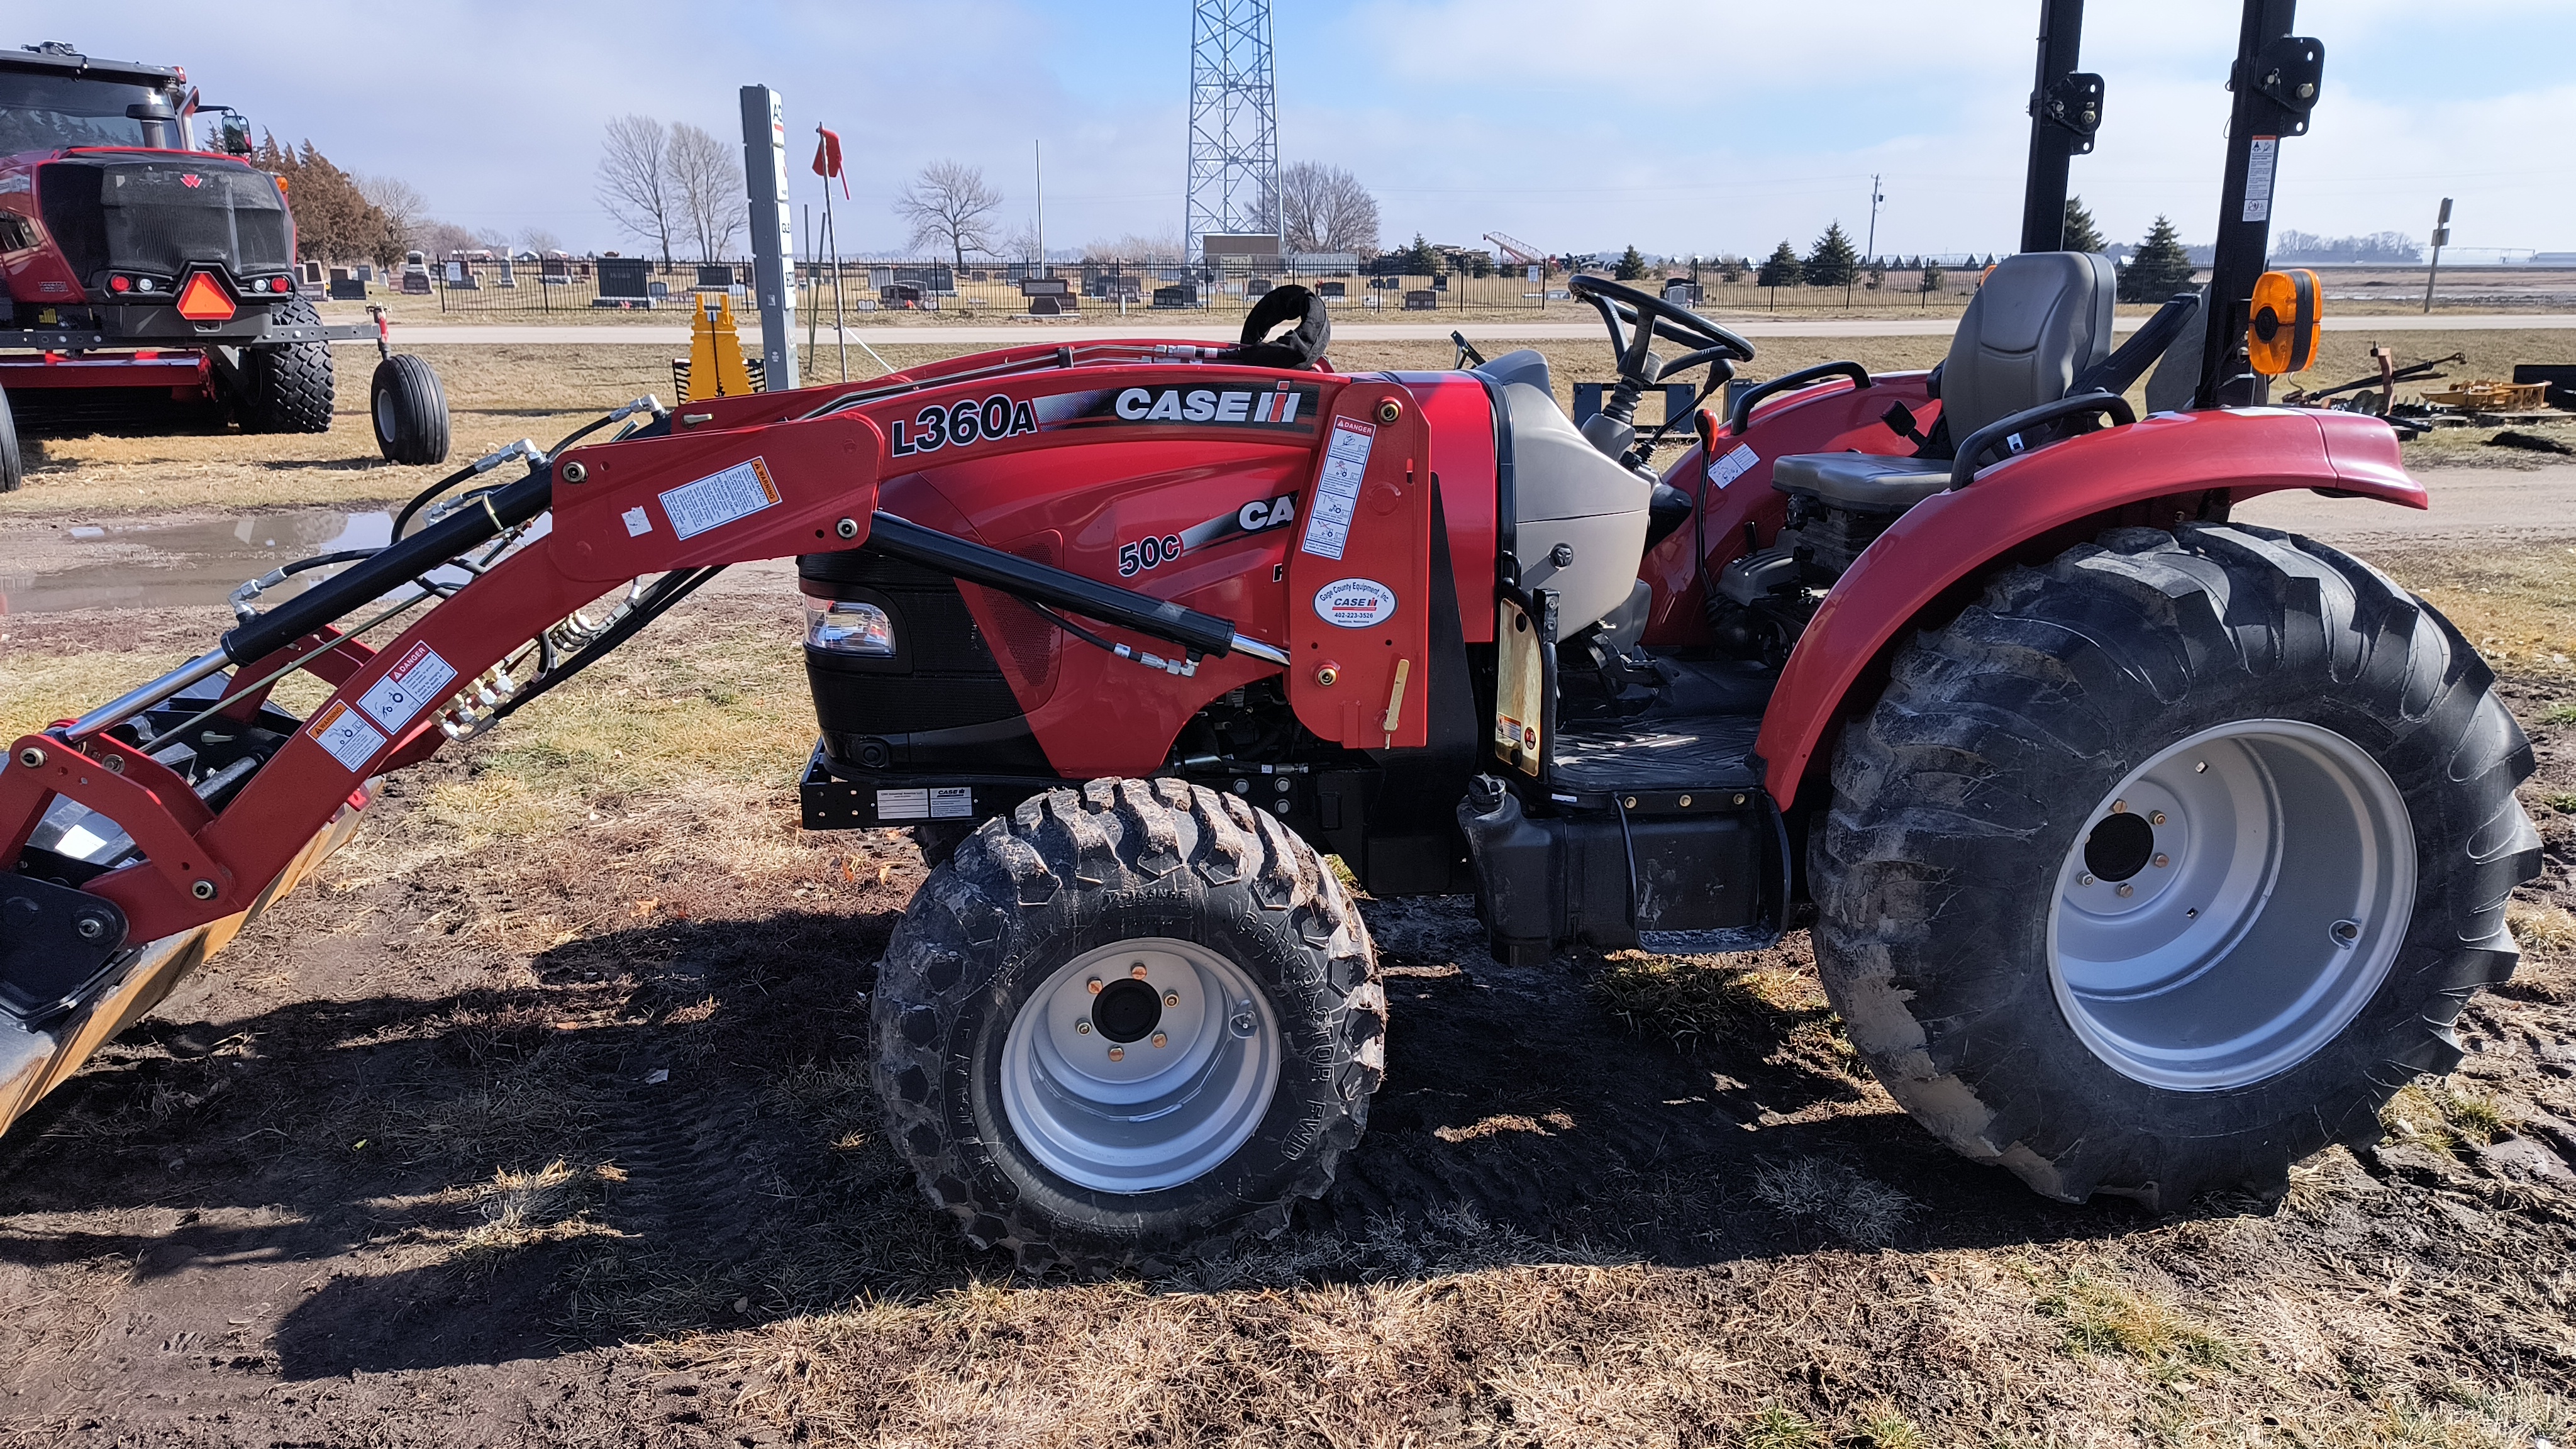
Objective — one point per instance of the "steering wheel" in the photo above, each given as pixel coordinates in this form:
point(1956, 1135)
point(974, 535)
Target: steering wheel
point(1648, 317)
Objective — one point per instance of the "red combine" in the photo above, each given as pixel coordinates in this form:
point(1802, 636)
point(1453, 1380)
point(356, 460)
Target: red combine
point(2149, 851)
point(150, 283)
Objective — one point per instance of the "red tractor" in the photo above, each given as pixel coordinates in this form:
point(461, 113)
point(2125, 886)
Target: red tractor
point(2149, 852)
point(150, 283)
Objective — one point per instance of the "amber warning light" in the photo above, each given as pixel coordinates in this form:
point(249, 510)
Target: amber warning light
point(204, 300)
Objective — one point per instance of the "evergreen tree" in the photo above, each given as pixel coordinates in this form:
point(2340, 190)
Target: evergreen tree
point(2080, 235)
point(2158, 268)
point(1833, 262)
point(1931, 276)
point(1631, 265)
point(333, 222)
point(1877, 275)
point(1782, 270)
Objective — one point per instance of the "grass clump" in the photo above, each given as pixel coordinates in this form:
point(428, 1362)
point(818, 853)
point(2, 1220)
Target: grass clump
point(2546, 929)
point(1694, 1002)
point(1887, 1429)
point(1775, 1427)
point(1858, 1209)
point(2104, 1319)
point(2443, 1117)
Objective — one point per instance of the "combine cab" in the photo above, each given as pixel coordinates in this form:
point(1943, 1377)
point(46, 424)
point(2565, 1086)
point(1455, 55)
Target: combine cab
point(150, 283)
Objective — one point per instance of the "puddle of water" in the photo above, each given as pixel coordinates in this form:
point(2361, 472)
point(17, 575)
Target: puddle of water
point(193, 564)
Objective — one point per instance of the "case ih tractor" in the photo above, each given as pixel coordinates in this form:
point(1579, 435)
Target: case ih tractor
point(150, 284)
point(2149, 852)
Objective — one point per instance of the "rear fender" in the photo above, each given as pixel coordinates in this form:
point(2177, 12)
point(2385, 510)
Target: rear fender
point(2165, 469)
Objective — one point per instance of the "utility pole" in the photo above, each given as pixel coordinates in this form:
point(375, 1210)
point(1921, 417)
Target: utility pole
point(2441, 239)
point(1874, 199)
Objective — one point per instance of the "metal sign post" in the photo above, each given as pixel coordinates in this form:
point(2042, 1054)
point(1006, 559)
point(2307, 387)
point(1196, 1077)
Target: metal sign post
point(2441, 239)
point(773, 239)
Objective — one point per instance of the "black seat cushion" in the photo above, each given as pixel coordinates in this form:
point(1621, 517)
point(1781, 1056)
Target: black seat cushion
point(1861, 482)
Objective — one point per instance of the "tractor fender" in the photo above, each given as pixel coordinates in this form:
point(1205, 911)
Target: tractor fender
point(2164, 469)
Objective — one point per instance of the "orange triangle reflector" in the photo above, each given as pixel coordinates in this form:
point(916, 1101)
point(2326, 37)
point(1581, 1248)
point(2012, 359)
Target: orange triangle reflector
point(203, 299)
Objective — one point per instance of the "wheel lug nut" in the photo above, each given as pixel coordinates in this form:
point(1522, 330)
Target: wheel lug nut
point(2084, 879)
point(1171, 998)
point(1082, 1028)
point(1118, 1054)
point(2163, 860)
point(2127, 889)
point(1094, 983)
point(1137, 970)
point(1160, 1039)
point(2119, 807)
point(2155, 817)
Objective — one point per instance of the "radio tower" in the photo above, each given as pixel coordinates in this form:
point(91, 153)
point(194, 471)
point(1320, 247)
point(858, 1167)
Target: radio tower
point(1234, 122)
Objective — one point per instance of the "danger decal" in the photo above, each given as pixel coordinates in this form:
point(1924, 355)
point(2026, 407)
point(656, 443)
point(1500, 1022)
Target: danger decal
point(407, 687)
point(1337, 489)
point(718, 499)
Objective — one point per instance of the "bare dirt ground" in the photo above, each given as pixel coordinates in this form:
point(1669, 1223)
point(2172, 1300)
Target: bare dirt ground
point(542, 1117)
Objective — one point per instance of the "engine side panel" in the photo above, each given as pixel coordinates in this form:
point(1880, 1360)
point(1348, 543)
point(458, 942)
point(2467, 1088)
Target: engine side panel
point(1829, 418)
point(2165, 467)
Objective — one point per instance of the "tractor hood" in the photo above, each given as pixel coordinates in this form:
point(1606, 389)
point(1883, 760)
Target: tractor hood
point(156, 214)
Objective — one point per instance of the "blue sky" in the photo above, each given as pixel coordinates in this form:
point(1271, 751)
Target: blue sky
point(1677, 126)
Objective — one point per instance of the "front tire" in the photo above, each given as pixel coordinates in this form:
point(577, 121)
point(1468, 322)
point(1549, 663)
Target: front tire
point(1121, 1025)
point(2165, 865)
point(287, 389)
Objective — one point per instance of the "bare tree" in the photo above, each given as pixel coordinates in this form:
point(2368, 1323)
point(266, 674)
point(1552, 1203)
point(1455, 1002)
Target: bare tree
point(1134, 248)
point(1323, 209)
point(707, 184)
point(405, 209)
point(634, 182)
point(950, 203)
point(541, 241)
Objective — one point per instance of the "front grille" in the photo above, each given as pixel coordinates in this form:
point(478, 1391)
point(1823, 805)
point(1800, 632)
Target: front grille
point(159, 216)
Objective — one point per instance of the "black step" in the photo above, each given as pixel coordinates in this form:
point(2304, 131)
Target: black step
point(1706, 756)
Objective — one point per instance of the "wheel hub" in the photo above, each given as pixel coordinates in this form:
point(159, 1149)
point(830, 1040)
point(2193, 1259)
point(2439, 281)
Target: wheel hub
point(1140, 1065)
point(2233, 904)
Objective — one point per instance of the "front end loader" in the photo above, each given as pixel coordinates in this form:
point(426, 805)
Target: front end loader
point(2150, 852)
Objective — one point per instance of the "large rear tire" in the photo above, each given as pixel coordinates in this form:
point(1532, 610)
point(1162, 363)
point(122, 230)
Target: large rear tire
point(2165, 865)
point(287, 389)
point(1120, 1026)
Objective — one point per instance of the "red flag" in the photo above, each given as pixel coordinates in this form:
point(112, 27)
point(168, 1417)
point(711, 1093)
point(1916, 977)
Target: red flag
point(827, 158)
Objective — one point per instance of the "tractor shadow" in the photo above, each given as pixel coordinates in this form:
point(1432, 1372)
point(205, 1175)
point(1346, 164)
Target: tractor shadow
point(671, 1130)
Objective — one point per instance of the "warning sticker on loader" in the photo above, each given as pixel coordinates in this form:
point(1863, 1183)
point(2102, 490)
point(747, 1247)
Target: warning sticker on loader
point(350, 739)
point(417, 680)
point(1337, 492)
point(720, 498)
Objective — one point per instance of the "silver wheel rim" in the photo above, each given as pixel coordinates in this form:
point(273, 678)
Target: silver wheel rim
point(2232, 905)
point(1093, 1094)
point(385, 414)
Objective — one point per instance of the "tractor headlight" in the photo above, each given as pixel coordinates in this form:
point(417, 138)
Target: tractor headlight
point(847, 626)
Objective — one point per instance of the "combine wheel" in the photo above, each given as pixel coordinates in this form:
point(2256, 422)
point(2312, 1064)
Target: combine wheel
point(12, 471)
point(410, 411)
point(2167, 864)
point(1123, 1024)
point(287, 389)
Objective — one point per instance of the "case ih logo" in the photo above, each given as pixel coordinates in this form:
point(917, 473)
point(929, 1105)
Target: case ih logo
point(191, 179)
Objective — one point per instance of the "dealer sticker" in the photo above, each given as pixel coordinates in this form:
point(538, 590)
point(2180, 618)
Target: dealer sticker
point(1728, 468)
point(417, 680)
point(350, 739)
point(1354, 603)
point(1337, 491)
point(720, 498)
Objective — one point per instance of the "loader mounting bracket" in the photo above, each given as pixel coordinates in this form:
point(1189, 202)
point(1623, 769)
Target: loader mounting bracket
point(54, 941)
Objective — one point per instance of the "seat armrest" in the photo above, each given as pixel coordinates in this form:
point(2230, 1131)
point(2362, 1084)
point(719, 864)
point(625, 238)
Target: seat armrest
point(1963, 470)
point(1788, 381)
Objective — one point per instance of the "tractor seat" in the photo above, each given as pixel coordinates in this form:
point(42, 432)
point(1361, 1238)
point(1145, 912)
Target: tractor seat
point(2040, 320)
point(1861, 482)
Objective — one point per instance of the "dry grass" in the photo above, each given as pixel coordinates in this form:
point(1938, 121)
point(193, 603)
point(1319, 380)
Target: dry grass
point(2518, 607)
point(2545, 930)
point(2443, 1115)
